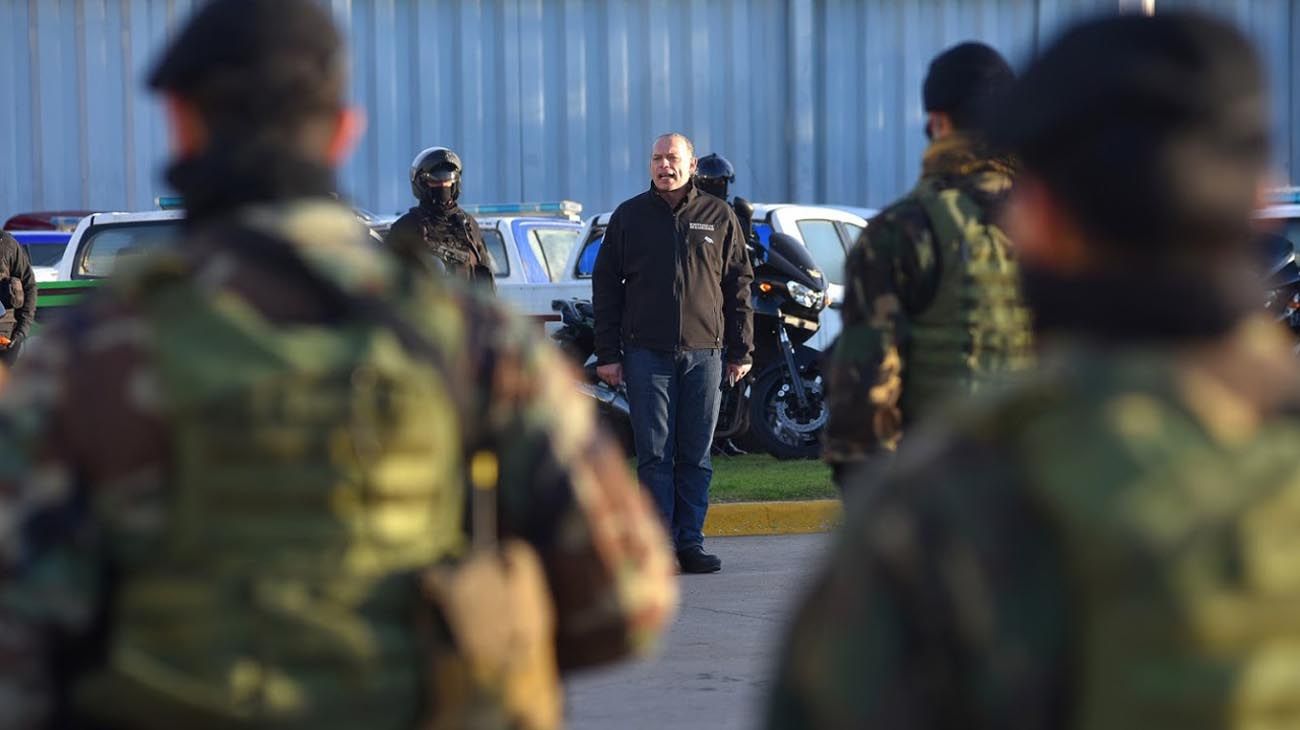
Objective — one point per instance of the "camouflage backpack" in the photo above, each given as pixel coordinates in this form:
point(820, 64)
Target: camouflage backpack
point(318, 477)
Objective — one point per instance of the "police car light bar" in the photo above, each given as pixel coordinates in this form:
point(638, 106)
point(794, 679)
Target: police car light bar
point(170, 202)
point(1284, 196)
point(564, 207)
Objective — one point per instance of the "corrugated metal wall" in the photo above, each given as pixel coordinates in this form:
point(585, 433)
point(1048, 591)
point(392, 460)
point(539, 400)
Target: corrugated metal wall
point(813, 100)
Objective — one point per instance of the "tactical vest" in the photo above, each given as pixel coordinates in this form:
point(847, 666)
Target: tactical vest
point(977, 326)
point(451, 245)
point(1181, 556)
point(316, 470)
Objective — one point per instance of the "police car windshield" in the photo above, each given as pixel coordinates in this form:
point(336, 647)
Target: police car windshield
point(108, 245)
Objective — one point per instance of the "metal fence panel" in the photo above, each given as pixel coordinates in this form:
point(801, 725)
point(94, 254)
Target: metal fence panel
point(813, 100)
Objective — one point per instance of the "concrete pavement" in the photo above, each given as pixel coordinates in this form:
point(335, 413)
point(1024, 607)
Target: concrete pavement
point(714, 665)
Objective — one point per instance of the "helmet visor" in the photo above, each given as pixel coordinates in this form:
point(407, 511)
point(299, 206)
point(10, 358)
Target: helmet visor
point(438, 177)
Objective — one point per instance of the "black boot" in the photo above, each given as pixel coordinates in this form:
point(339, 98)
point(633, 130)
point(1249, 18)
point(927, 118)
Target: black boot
point(695, 560)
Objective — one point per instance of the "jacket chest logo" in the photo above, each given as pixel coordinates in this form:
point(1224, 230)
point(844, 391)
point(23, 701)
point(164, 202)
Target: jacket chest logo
point(702, 227)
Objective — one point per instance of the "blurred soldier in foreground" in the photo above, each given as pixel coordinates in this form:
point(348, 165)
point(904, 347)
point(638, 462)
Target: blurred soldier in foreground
point(1112, 544)
point(225, 483)
point(931, 306)
point(437, 228)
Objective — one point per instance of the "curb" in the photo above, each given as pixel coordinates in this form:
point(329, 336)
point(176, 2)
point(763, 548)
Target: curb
point(735, 519)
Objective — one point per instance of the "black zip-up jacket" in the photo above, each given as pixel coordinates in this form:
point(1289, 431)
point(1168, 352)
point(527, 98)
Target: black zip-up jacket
point(17, 289)
point(672, 280)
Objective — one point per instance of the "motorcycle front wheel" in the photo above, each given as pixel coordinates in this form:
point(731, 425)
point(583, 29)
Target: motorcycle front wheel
point(776, 421)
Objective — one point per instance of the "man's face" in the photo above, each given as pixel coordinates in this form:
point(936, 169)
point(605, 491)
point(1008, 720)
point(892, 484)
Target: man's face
point(671, 164)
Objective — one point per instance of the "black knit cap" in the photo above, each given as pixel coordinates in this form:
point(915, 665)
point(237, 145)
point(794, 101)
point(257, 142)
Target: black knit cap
point(250, 63)
point(1153, 131)
point(964, 81)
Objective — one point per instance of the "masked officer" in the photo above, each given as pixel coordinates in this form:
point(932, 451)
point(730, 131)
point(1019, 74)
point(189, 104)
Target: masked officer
point(714, 175)
point(234, 485)
point(1111, 542)
point(437, 227)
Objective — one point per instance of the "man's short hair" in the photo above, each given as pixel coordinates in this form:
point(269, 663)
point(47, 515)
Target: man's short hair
point(1152, 131)
point(690, 146)
point(964, 82)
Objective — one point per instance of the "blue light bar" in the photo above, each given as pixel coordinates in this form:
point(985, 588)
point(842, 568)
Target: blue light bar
point(1284, 196)
point(170, 202)
point(564, 207)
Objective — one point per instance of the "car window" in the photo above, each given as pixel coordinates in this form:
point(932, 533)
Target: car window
point(552, 247)
point(108, 245)
point(496, 250)
point(854, 232)
point(587, 260)
point(825, 247)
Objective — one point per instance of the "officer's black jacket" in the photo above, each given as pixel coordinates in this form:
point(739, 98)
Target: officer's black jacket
point(426, 230)
point(673, 280)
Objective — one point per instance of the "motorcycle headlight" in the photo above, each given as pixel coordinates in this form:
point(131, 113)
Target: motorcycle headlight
point(805, 296)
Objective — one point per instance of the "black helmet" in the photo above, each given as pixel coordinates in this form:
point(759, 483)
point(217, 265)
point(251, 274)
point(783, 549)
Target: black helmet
point(713, 174)
point(435, 164)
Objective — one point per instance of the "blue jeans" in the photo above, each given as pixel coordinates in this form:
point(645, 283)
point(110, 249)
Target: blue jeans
point(674, 399)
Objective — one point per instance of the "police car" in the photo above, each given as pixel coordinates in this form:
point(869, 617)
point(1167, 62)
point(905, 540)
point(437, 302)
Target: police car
point(528, 246)
point(827, 231)
point(526, 242)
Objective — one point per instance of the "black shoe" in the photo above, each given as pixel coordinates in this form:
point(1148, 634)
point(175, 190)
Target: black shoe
point(695, 560)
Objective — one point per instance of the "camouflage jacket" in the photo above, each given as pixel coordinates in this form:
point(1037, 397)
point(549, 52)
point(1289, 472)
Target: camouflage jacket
point(892, 275)
point(84, 440)
point(961, 595)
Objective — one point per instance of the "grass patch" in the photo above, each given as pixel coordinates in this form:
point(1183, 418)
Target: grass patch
point(762, 478)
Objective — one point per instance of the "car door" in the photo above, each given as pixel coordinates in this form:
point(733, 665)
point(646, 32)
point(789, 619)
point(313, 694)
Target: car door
point(826, 246)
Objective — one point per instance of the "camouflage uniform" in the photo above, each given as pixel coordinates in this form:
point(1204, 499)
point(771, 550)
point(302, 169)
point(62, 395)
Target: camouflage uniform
point(931, 305)
point(89, 446)
point(1106, 546)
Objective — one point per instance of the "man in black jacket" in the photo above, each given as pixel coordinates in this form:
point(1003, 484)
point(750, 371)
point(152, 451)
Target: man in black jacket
point(671, 294)
point(17, 296)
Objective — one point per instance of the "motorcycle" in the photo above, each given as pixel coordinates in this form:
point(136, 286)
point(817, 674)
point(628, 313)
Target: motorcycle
point(576, 338)
point(779, 407)
point(1281, 277)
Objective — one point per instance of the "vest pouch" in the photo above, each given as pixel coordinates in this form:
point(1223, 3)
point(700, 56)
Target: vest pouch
point(114, 696)
point(11, 293)
point(500, 671)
